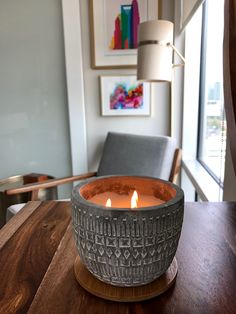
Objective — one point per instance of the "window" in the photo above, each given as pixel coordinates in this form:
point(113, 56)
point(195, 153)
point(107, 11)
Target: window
point(212, 123)
point(204, 127)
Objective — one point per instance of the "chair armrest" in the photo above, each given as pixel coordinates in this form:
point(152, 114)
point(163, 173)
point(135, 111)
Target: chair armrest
point(34, 187)
point(176, 165)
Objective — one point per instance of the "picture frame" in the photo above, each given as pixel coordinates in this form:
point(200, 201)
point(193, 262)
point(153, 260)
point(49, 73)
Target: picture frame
point(123, 95)
point(111, 46)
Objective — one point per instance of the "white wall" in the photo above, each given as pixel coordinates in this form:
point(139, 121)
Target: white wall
point(34, 133)
point(98, 126)
point(177, 83)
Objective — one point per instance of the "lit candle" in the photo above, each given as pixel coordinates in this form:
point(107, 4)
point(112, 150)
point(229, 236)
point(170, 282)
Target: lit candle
point(124, 201)
point(134, 200)
point(108, 203)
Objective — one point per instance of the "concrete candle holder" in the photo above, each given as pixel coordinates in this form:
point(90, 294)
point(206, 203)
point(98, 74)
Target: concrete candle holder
point(123, 246)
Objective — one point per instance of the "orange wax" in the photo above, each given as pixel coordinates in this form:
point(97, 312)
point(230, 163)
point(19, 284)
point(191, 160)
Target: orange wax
point(124, 201)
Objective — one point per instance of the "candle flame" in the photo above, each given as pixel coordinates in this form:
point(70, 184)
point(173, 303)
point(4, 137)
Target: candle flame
point(134, 200)
point(108, 202)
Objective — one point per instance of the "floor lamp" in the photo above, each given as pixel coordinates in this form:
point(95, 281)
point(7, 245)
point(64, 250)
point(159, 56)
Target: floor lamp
point(155, 53)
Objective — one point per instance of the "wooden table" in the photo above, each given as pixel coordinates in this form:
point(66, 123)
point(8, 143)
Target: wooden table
point(37, 253)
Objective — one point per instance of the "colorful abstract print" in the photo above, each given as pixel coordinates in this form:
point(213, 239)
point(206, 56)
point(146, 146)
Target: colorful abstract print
point(126, 27)
point(124, 97)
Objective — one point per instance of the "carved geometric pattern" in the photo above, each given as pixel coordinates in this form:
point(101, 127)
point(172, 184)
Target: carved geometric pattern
point(110, 245)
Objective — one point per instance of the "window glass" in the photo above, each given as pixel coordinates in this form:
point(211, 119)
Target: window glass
point(212, 123)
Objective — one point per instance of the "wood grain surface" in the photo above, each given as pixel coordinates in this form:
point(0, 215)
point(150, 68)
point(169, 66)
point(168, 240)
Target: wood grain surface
point(26, 255)
point(37, 275)
point(124, 294)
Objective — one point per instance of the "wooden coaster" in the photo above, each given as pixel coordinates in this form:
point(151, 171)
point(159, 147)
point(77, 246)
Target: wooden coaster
point(124, 294)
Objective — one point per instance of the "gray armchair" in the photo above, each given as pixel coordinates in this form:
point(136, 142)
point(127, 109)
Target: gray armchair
point(137, 155)
point(125, 154)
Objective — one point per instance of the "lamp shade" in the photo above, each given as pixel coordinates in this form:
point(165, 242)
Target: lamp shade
point(154, 55)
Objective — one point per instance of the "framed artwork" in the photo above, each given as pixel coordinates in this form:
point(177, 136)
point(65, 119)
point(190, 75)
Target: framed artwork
point(114, 30)
point(124, 96)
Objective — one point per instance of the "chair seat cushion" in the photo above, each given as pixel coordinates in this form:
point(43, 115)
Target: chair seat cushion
point(13, 210)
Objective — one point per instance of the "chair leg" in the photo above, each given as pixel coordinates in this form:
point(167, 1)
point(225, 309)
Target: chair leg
point(34, 195)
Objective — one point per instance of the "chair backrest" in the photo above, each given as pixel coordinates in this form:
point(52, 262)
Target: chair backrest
point(127, 154)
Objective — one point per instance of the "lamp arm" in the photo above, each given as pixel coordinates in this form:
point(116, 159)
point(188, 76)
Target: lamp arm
point(178, 53)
